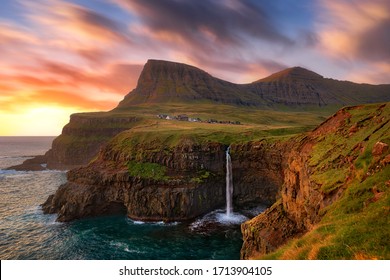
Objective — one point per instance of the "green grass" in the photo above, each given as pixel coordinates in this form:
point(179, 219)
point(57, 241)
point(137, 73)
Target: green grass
point(147, 170)
point(269, 119)
point(330, 179)
point(201, 177)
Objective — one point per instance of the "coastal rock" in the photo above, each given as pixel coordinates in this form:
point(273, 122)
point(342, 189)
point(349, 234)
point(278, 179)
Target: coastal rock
point(266, 232)
point(37, 163)
point(257, 172)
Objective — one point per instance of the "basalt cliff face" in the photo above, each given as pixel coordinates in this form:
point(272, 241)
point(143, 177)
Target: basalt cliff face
point(152, 182)
point(106, 186)
point(340, 168)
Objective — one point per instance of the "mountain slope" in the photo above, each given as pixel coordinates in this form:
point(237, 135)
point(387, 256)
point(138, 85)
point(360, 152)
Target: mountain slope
point(163, 81)
point(170, 82)
point(299, 86)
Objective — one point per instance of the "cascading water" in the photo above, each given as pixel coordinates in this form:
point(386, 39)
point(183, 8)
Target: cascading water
point(229, 183)
point(220, 216)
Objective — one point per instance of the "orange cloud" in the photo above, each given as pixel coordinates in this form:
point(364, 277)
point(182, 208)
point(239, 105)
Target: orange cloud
point(69, 86)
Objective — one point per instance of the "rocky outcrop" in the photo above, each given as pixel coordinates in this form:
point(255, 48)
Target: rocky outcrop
point(266, 232)
point(91, 193)
point(317, 169)
point(379, 148)
point(37, 163)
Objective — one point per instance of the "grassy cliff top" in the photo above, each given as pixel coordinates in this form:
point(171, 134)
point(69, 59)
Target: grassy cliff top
point(253, 124)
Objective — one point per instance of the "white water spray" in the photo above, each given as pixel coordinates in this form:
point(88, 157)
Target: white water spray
point(229, 184)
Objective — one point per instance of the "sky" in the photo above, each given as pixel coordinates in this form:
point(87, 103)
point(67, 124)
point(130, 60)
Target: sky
point(59, 57)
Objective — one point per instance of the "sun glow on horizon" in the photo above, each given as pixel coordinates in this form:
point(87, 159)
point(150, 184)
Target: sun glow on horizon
point(37, 121)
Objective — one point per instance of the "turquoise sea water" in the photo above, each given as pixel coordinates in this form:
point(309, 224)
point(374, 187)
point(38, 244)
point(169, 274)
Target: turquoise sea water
point(26, 233)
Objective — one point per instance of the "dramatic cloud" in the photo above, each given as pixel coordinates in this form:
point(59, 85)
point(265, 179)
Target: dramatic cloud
point(100, 91)
point(62, 20)
point(357, 32)
point(210, 33)
point(229, 22)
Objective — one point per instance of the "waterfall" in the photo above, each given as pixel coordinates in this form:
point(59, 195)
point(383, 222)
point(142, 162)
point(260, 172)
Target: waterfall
point(229, 184)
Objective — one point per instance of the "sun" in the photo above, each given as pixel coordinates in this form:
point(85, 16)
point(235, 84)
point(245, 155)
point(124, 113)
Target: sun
point(37, 121)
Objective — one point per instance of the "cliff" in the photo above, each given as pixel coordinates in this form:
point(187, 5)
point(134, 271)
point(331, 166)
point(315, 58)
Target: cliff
point(158, 178)
point(335, 192)
point(81, 140)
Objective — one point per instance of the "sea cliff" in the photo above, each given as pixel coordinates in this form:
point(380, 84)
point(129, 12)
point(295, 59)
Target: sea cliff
point(334, 192)
point(162, 179)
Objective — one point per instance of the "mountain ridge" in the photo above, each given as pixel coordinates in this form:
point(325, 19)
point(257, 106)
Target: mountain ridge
point(290, 73)
point(164, 81)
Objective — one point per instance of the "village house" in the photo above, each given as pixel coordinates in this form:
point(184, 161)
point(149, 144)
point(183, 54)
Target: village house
point(182, 118)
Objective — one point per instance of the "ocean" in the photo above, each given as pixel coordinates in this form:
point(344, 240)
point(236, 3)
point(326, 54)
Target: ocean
point(28, 234)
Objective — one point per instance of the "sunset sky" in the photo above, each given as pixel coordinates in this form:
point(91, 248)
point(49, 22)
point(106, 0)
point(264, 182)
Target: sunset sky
point(58, 57)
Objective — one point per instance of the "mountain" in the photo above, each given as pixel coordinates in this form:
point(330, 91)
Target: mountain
point(169, 82)
point(163, 81)
point(299, 86)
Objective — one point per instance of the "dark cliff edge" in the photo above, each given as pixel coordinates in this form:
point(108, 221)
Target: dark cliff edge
point(335, 192)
